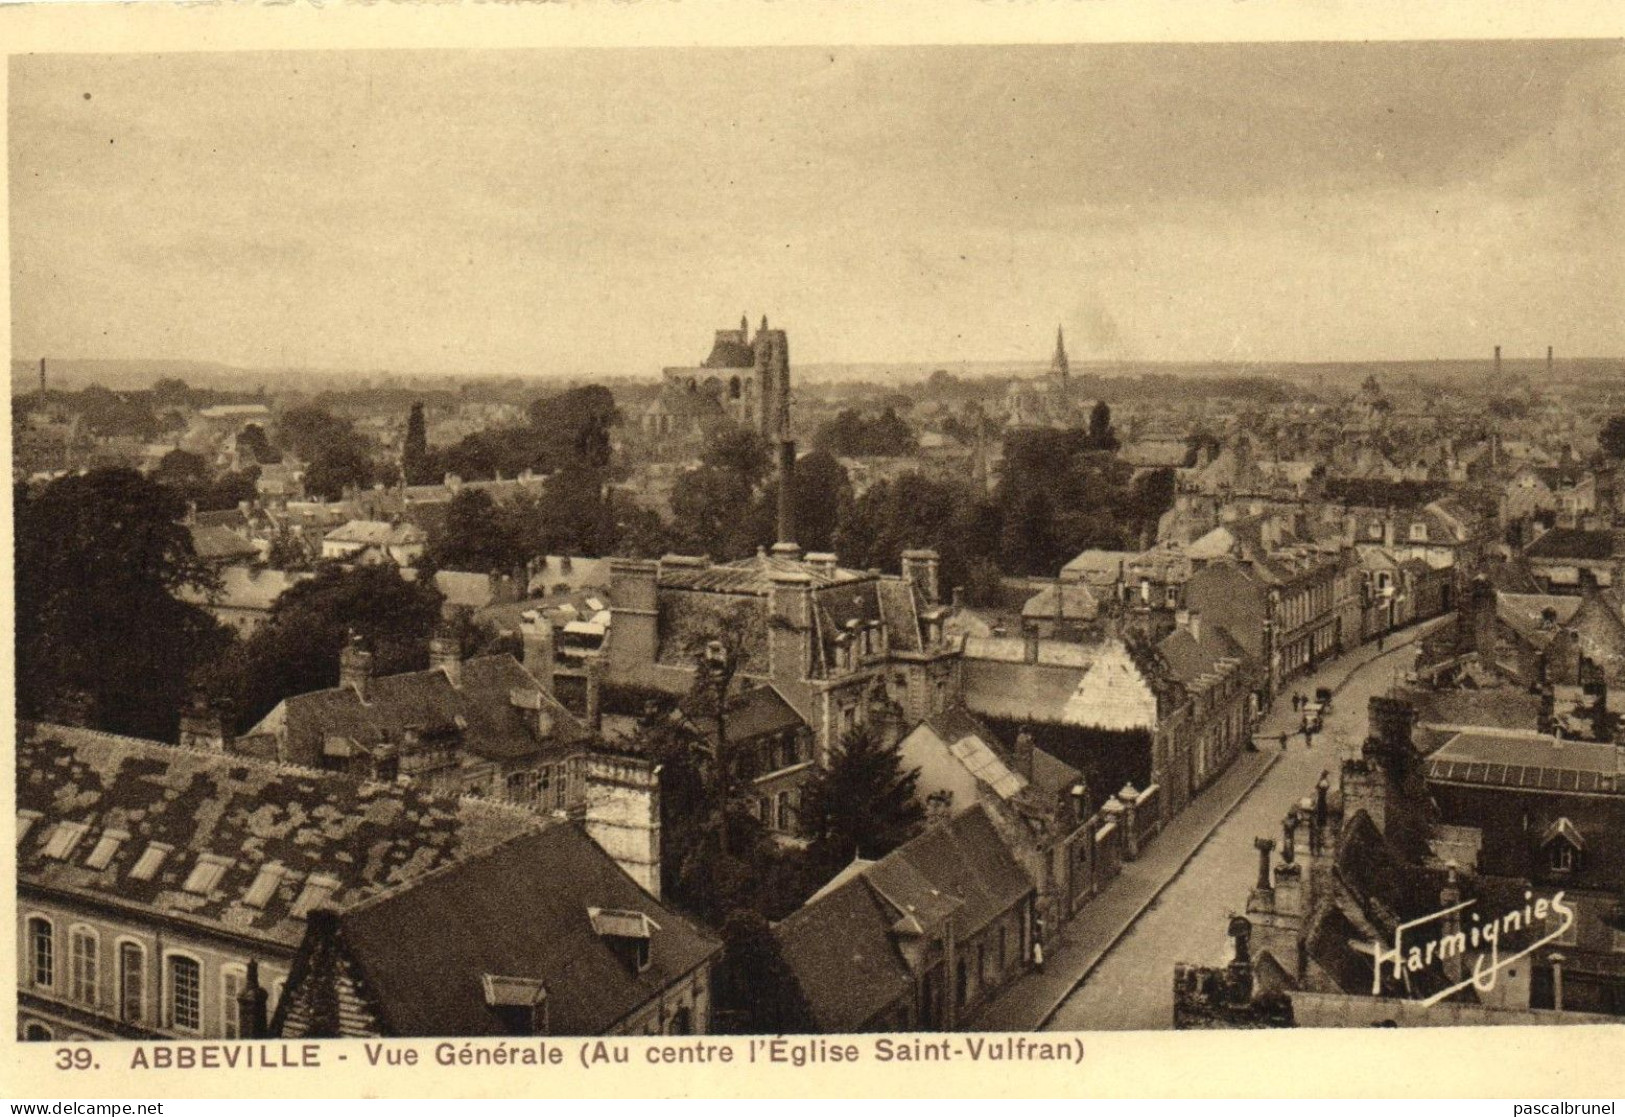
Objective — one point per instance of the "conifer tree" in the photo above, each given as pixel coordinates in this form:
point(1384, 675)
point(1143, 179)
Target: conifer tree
point(864, 804)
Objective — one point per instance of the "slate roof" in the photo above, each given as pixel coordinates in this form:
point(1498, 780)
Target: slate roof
point(480, 713)
point(365, 837)
point(520, 909)
point(1019, 691)
point(1531, 761)
point(245, 587)
point(1573, 544)
point(1059, 602)
point(842, 946)
point(752, 575)
point(1189, 659)
point(1097, 567)
point(757, 712)
point(841, 950)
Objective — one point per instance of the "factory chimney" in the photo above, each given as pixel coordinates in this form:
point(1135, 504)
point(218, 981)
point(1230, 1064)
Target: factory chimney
point(787, 498)
point(1549, 362)
point(42, 377)
point(1498, 364)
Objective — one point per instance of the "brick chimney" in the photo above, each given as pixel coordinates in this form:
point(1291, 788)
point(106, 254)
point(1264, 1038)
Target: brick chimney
point(621, 813)
point(1024, 754)
point(536, 631)
point(355, 666)
point(445, 654)
point(920, 568)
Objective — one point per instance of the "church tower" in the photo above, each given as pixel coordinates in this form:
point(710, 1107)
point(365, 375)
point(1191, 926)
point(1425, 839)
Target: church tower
point(1058, 366)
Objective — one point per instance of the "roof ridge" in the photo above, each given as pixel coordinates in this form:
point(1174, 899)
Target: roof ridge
point(390, 892)
point(147, 744)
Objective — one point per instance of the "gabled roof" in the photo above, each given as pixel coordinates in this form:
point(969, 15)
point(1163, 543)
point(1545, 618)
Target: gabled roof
point(479, 712)
point(1063, 601)
point(323, 832)
point(376, 533)
point(1573, 544)
point(524, 909)
point(246, 587)
point(843, 946)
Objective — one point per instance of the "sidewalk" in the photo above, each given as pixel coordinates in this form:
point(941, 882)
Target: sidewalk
point(1084, 943)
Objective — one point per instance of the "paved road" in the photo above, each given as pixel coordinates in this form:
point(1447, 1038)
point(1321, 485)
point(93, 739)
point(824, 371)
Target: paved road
point(1132, 988)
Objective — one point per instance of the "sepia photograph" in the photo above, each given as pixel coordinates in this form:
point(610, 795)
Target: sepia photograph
point(958, 546)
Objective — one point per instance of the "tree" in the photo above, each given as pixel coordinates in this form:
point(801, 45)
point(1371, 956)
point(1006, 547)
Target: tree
point(863, 804)
point(335, 468)
point(99, 561)
point(1101, 435)
point(415, 450)
point(1612, 438)
point(297, 650)
point(476, 534)
point(183, 471)
point(252, 438)
point(576, 424)
point(823, 495)
point(757, 992)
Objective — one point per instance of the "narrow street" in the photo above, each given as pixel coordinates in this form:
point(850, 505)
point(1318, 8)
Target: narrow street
point(1132, 986)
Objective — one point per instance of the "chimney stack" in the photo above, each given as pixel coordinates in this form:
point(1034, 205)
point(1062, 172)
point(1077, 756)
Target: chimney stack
point(446, 655)
point(1024, 754)
point(787, 492)
point(355, 666)
point(536, 630)
point(595, 698)
point(252, 1003)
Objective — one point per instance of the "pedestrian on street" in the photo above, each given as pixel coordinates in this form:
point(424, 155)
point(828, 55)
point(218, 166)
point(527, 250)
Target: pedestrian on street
point(1038, 956)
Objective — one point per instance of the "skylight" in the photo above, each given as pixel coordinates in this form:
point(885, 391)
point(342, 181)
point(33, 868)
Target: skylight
point(151, 858)
point(106, 846)
point(265, 884)
point(317, 890)
point(64, 838)
point(206, 874)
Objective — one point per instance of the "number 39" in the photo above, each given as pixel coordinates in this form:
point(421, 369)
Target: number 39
point(73, 1058)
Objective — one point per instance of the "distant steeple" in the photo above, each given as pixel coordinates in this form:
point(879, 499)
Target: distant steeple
point(744, 326)
point(1058, 365)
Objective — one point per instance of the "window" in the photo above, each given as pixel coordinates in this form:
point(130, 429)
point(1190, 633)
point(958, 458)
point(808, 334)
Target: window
point(206, 874)
point(185, 994)
point(559, 788)
point(782, 809)
point(146, 867)
point(232, 980)
point(132, 982)
point(37, 1033)
point(83, 947)
point(106, 846)
point(265, 884)
point(41, 953)
point(64, 838)
point(1562, 857)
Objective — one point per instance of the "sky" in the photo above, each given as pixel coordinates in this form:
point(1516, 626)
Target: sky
point(603, 211)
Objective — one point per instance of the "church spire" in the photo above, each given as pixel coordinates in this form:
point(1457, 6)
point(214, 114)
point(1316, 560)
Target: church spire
point(1058, 365)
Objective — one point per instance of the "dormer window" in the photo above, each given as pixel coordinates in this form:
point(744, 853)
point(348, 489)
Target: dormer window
point(206, 874)
point(318, 888)
point(64, 838)
point(628, 934)
point(106, 846)
point(1564, 846)
point(519, 1002)
point(1419, 532)
point(25, 823)
point(265, 884)
point(146, 867)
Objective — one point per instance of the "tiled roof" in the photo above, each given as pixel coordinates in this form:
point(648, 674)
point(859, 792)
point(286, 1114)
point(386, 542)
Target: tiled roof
point(757, 712)
point(524, 910)
point(1019, 691)
point(480, 713)
point(376, 533)
point(316, 828)
point(750, 575)
point(1189, 659)
point(214, 543)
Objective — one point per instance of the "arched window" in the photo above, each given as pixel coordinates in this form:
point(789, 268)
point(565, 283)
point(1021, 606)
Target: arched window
point(84, 950)
point(36, 1032)
point(41, 953)
point(132, 982)
point(232, 980)
point(185, 992)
